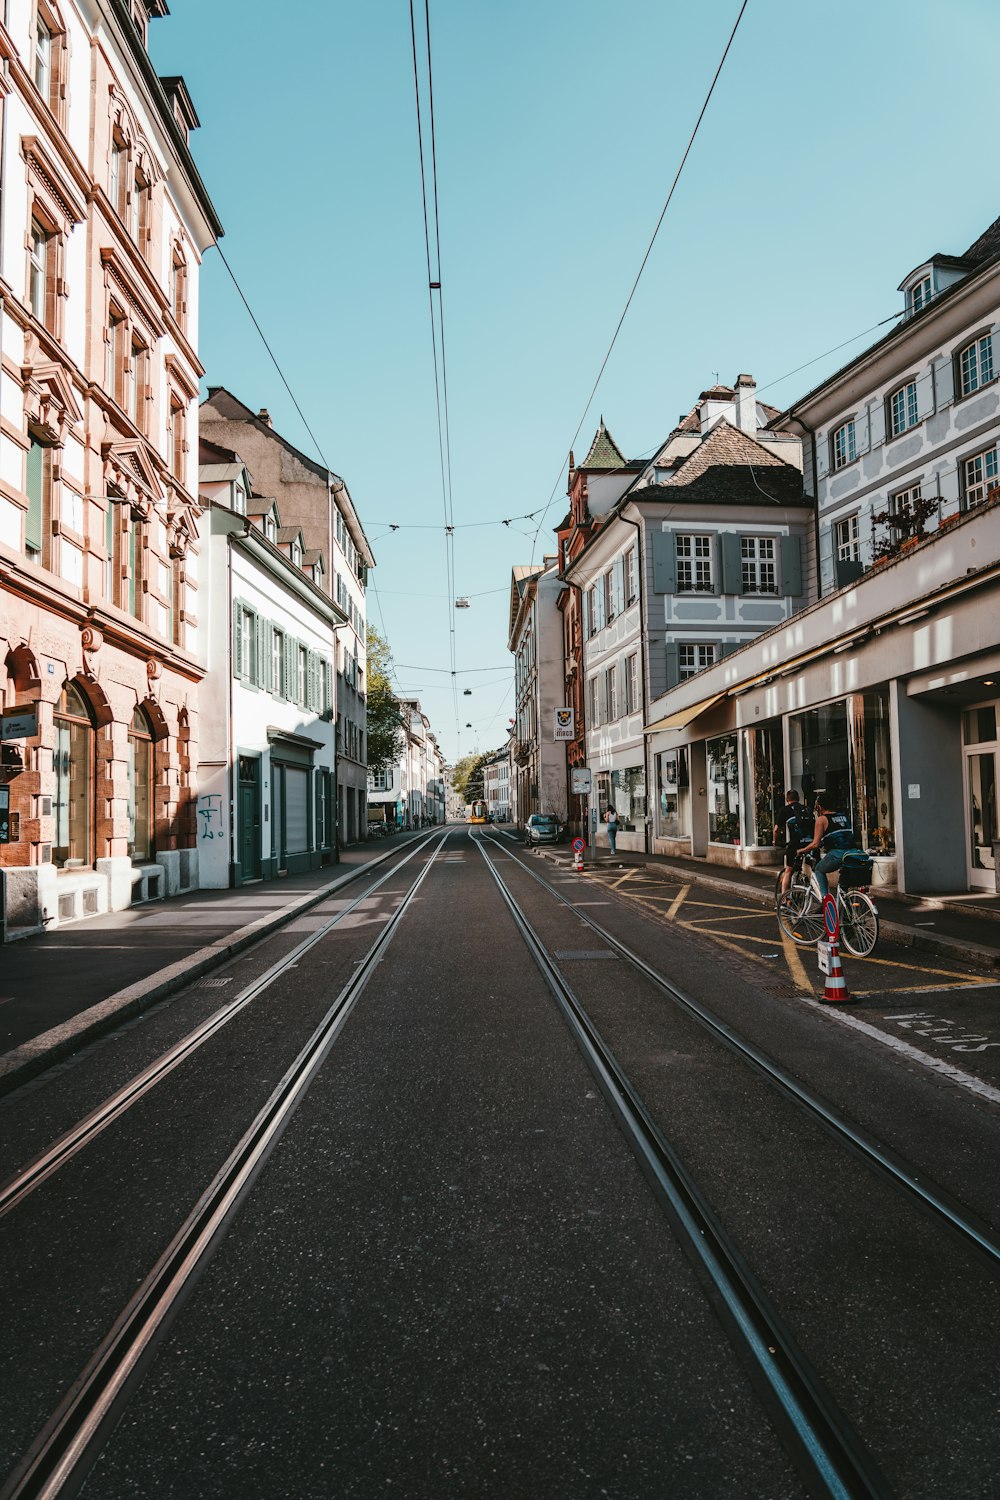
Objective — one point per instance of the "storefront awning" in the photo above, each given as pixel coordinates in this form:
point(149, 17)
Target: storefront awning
point(684, 716)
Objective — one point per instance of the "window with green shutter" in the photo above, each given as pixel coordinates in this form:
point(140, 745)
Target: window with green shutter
point(35, 488)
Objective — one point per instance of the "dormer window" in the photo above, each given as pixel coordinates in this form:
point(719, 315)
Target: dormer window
point(270, 529)
point(317, 573)
point(239, 500)
point(297, 554)
point(920, 294)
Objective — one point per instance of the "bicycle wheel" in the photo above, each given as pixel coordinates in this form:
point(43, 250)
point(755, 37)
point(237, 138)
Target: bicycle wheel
point(859, 923)
point(798, 916)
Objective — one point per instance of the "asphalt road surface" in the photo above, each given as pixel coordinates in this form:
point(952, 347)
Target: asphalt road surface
point(450, 1269)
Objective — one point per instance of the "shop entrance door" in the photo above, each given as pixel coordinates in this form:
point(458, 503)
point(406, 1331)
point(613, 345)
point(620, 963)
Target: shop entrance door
point(249, 815)
point(981, 801)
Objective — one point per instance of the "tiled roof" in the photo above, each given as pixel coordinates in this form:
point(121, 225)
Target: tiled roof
point(258, 505)
point(604, 452)
point(987, 245)
point(289, 534)
point(723, 470)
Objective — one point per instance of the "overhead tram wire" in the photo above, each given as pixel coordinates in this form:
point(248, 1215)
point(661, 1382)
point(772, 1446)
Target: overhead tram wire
point(645, 258)
point(434, 284)
point(274, 361)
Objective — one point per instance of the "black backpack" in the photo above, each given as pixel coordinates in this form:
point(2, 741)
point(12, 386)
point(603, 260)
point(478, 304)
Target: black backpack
point(802, 824)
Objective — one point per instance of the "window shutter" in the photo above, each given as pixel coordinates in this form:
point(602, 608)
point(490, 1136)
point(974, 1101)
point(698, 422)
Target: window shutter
point(260, 638)
point(863, 431)
point(944, 380)
point(619, 585)
point(266, 661)
point(673, 664)
point(237, 640)
point(732, 565)
point(726, 648)
point(33, 515)
point(664, 562)
point(791, 566)
point(826, 559)
point(925, 395)
point(878, 421)
point(289, 668)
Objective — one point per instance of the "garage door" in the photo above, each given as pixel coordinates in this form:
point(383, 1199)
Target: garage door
point(296, 810)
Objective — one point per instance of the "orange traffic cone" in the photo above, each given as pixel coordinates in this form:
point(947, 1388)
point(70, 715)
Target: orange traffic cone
point(835, 992)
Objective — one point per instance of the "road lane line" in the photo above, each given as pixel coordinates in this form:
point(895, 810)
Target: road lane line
point(934, 989)
point(795, 965)
point(678, 901)
point(627, 876)
point(934, 1064)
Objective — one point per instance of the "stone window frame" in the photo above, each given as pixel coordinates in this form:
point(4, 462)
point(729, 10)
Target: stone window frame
point(696, 563)
point(902, 401)
point(130, 191)
point(759, 565)
point(844, 445)
point(53, 90)
point(988, 459)
point(127, 358)
point(847, 538)
point(179, 282)
point(692, 657)
point(55, 229)
point(985, 370)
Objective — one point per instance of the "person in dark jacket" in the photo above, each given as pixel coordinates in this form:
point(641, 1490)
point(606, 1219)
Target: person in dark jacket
point(834, 835)
point(793, 828)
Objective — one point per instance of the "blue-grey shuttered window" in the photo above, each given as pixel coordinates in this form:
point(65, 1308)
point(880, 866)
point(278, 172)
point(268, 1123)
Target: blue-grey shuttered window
point(732, 563)
point(673, 664)
point(664, 563)
point(791, 566)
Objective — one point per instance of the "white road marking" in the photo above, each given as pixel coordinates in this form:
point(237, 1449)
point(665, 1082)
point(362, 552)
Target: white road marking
point(913, 1054)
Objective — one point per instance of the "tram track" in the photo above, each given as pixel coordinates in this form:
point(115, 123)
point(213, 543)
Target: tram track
point(58, 1462)
point(971, 1231)
point(819, 1433)
point(87, 1129)
point(804, 1397)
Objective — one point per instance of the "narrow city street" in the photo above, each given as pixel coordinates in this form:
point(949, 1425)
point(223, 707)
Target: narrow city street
point(480, 1176)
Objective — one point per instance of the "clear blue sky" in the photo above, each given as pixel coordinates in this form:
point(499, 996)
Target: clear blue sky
point(844, 144)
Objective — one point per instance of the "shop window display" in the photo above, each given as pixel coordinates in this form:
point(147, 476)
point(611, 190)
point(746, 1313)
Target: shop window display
point(723, 791)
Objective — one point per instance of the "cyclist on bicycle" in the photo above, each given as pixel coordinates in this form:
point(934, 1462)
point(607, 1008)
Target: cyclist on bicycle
point(834, 835)
point(795, 822)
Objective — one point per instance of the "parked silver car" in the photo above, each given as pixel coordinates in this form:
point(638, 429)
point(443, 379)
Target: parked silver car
point(542, 828)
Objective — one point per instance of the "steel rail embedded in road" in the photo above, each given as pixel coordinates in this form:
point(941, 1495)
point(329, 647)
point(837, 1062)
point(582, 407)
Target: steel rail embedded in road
point(972, 1231)
point(60, 1458)
point(820, 1432)
point(86, 1130)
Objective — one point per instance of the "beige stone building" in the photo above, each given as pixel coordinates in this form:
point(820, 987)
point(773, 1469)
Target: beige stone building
point(319, 522)
point(104, 224)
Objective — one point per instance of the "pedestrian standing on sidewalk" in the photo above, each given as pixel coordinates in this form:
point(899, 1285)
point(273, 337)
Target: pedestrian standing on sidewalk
point(611, 818)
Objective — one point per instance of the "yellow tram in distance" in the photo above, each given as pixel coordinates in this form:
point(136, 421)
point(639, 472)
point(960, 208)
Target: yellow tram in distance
point(476, 813)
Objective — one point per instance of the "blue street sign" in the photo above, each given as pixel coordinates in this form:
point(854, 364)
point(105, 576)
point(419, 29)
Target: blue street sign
point(830, 917)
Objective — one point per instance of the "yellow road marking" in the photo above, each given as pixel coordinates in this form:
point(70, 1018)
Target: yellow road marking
point(747, 937)
point(678, 900)
point(795, 965)
point(922, 989)
point(746, 916)
point(627, 876)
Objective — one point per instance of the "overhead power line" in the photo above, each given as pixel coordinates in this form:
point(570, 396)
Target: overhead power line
point(274, 360)
point(645, 258)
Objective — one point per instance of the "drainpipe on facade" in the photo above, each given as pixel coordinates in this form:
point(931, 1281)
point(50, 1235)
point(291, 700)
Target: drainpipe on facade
point(648, 823)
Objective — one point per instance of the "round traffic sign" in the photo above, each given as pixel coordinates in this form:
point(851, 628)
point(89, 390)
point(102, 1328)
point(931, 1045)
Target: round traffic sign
point(578, 844)
point(830, 917)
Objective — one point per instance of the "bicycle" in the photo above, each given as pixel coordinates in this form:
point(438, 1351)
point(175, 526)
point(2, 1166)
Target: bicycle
point(800, 910)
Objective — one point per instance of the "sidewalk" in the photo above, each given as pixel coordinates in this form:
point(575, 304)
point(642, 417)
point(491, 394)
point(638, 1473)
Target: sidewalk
point(965, 926)
point(63, 988)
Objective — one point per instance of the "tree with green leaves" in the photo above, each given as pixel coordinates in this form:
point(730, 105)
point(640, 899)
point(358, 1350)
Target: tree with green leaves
point(385, 742)
point(468, 777)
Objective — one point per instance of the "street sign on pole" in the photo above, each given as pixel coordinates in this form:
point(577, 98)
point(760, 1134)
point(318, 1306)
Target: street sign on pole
point(580, 781)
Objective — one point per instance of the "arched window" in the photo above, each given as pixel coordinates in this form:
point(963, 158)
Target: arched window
point(72, 762)
point(140, 787)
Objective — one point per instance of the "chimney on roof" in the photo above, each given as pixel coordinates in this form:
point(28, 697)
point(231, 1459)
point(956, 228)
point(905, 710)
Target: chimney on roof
point(746, 404)
point(264, 416)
